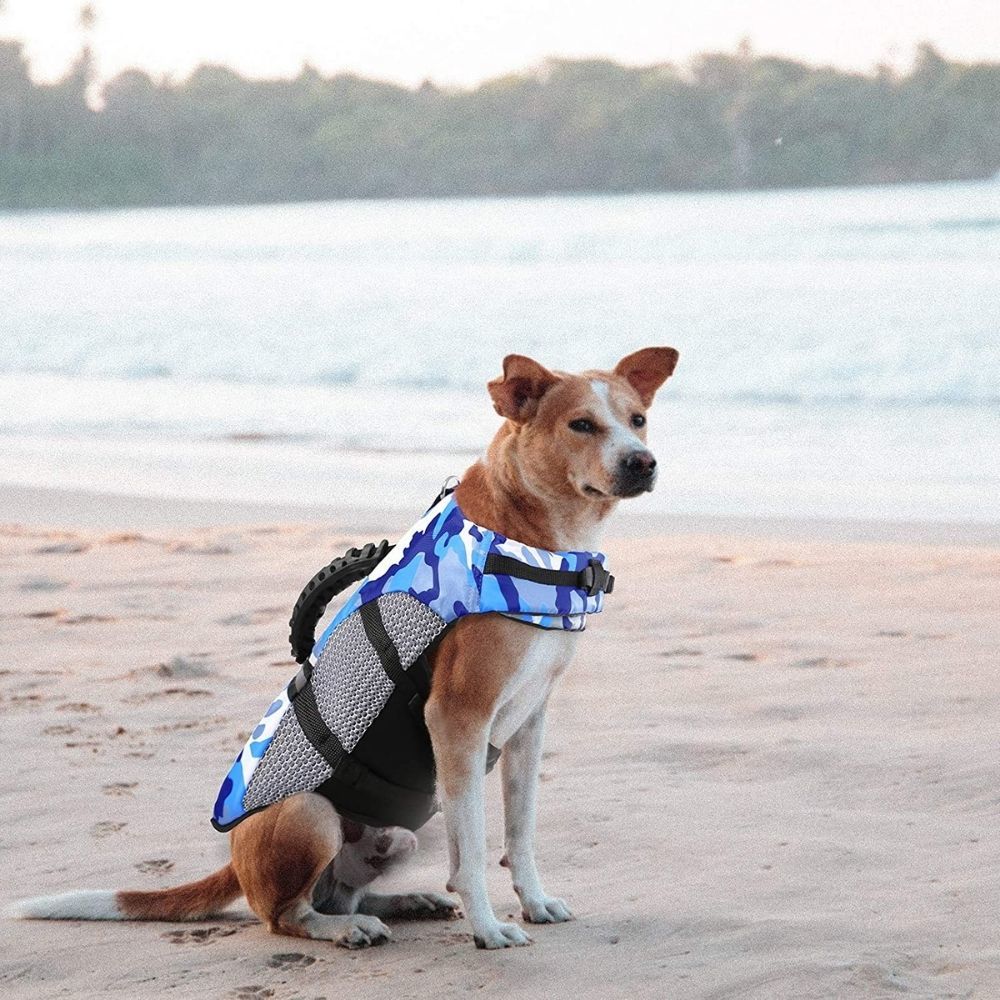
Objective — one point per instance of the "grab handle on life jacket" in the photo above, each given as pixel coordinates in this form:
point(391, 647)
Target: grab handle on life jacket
point(352, 566)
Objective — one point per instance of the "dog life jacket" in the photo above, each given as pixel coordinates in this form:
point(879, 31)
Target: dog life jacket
point(350, 724)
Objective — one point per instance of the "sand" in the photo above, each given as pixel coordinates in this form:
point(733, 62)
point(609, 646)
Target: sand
point(771, 772)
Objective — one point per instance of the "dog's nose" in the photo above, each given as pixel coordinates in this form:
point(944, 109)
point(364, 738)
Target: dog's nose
point(640, 464)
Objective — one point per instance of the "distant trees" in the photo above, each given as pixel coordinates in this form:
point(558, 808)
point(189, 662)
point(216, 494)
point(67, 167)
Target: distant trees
point(729, 120)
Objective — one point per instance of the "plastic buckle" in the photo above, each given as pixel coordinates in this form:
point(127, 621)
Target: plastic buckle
point(594, 578)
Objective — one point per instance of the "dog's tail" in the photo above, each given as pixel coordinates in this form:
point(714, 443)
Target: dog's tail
point(193, 901)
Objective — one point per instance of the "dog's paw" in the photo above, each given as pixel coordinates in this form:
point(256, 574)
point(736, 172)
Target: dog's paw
point(545, 910)
point(364, 932)
point(499, 935)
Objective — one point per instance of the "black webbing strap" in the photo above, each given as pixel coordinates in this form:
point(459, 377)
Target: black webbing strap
point(316, 730)
point(593, 578)
point(371, 620)
point(415, 682)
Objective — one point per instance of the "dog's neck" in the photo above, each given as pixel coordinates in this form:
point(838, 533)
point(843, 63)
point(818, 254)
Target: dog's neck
point(495, 494)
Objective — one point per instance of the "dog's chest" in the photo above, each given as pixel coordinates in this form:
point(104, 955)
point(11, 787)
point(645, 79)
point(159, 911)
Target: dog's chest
point(542, 656)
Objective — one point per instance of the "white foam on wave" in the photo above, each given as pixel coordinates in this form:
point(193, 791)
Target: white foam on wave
point(849, 295)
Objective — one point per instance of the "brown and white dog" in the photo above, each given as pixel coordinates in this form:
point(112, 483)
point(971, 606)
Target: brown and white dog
point(570, 447)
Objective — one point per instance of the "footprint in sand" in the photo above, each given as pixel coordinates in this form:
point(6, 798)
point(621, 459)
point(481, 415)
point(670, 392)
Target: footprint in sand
point(84, 707)
point(202, 724)
point(48, 613)
point(170, 692)
point(252, 993)
point(27, 699)
point(124, 538)
point(290, 960)
point(742, 657)
point(43, 584)
point(259, 616)
point(257, 653)
point(119, 787)
point(201, 548)
point(156, 866)
point(62, 548)
point(892, 634)
point(681, 651)
point(198, 935)
point(182, 666)
point(823, 661)
point(237, 619)
point(62, 730)
point(106, 828)
point(89, 620)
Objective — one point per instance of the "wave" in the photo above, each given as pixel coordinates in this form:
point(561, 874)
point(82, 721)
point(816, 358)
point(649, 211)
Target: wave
point(917, 226)
point(769, 298)
point(333, 376)
point(821, 397)
point(234, 391)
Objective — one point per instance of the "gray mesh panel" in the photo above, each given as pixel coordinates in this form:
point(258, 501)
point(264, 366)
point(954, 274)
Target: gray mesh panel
point(411, 625)
point(290, 764)
point(350, 685)
point(351, 688)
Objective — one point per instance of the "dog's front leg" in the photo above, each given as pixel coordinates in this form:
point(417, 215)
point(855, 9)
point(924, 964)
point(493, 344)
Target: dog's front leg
point(520, 763)
point(460, 755)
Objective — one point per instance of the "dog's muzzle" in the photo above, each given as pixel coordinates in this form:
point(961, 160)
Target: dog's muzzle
point(636, 473)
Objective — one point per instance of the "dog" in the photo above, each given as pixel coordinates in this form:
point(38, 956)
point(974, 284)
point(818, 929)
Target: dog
point(570, 448)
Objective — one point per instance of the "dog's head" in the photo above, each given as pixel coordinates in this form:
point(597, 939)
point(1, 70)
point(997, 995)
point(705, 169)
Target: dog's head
point(583, 435)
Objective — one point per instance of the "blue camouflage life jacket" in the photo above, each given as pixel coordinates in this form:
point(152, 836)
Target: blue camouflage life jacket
point(350, 724)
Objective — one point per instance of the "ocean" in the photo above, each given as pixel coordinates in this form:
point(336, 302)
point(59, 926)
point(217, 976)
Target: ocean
point(840, 348)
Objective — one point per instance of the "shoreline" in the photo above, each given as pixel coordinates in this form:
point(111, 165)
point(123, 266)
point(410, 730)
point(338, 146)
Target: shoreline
point(55, 508)
point(557, 194)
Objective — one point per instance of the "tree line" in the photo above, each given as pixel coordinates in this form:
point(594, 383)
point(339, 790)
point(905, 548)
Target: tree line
point(728, 120)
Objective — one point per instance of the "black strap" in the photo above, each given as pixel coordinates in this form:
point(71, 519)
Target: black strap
point(415, 682)
point(371, 620)
point(593, 578)
point(317, 731)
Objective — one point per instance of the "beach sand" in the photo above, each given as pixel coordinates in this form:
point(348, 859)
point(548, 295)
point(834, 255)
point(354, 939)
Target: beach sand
point(771, 771)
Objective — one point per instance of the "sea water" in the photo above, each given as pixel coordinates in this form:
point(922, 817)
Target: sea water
point(840, 348)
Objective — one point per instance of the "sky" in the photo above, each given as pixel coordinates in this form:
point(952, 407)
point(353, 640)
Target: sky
point(460, 42)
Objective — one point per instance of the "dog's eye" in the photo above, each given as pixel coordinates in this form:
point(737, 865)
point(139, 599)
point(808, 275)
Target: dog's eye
point(583, 426)
point(638, 420)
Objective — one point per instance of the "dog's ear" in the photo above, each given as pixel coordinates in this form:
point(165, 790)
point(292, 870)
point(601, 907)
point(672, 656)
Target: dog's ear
point(517, 392)
point(647, 370)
